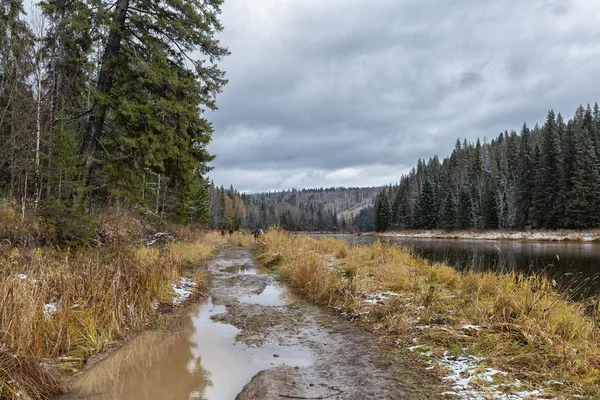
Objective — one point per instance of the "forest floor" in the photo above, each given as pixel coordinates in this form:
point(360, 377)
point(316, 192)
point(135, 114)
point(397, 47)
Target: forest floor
point(534, 235)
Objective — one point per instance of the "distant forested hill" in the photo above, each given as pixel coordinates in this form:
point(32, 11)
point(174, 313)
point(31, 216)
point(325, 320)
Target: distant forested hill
point(546, 177)
point(330, 209)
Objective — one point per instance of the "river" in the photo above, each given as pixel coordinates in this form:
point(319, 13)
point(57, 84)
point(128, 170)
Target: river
point(575, 265)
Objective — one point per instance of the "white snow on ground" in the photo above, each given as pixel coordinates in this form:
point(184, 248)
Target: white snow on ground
point(378, 298)
point(50, 309)
point(469, 381)
point(183, 291)
point(471, 327)
point(160, 237)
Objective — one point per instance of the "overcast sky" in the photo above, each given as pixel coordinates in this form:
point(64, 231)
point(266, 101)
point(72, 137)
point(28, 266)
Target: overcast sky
point(353, 92)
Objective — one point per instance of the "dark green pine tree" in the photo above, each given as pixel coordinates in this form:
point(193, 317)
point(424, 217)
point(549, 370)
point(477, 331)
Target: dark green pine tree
point(196, 210)
point(547, 199)
point(157, 75)
point(428, 206)
point(596, 129)
point(583, 200)
point(465, 210)
point(569, 154)
point(477, 181)
point(490, 204)
point(404, 217)
point(396, 206)
point(376, 218)
point(383, 212)
point(448, 213)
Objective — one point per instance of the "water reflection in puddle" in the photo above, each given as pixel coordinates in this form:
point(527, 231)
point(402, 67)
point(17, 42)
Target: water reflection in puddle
point(243, 270)
point(272, 295)
point(201, 360)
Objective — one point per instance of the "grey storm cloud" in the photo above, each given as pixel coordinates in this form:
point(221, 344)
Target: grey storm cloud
point(352, 93)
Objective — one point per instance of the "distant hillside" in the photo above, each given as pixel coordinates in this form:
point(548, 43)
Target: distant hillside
point(348, 216)
point(323, 209)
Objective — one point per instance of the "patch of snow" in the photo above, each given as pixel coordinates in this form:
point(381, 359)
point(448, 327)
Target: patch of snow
point(470, 382)
point(50, 309)
point(378, 298)
point(183, 290)
point(422, 327)
point(471, 327)
point(527, 394)
point(160, 237)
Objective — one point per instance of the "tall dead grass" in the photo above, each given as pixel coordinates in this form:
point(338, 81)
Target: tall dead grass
point(240, 239)
point(524, 326)
point(71, 304)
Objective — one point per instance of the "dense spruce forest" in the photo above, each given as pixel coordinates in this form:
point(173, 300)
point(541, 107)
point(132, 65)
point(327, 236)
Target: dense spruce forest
point(103, 102)
point(293, 210)
point(545, 177)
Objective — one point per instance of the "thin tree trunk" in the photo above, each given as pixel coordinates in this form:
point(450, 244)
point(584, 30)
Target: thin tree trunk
point(158, 194)
point(59, 185)
point(95, 124)
point(13, 162)
point(38, 133)
point(24, 196)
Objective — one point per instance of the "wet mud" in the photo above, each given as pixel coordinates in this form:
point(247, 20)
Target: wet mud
point(253, 339)
point(347, 361)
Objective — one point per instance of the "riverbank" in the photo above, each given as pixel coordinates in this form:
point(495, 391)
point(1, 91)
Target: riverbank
point(58, 308)
point(488, 335)
point(533, 235)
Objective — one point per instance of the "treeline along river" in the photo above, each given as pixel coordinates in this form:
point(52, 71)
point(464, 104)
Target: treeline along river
point(574, 265)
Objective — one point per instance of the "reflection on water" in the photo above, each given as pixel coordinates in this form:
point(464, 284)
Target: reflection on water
point(272, 295)
point(243, 270)
point(147, 367)
point(198, 360)
point(566, 261)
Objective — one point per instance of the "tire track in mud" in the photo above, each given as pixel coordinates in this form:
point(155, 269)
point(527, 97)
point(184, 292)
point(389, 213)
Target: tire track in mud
point(340, 360)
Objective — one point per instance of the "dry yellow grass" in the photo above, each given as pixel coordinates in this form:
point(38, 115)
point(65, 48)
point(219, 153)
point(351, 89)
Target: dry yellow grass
point(525, 326)
point(240, 239)
point(72, 304)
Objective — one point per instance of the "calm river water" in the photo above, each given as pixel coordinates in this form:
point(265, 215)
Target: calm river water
point(576, 265)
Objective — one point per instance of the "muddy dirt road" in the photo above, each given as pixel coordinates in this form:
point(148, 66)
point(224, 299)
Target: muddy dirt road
point(252, 339)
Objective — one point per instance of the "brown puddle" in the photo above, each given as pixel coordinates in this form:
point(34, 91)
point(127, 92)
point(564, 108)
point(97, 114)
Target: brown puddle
point(273, 296)
point(200, 360)
point(244, 270)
